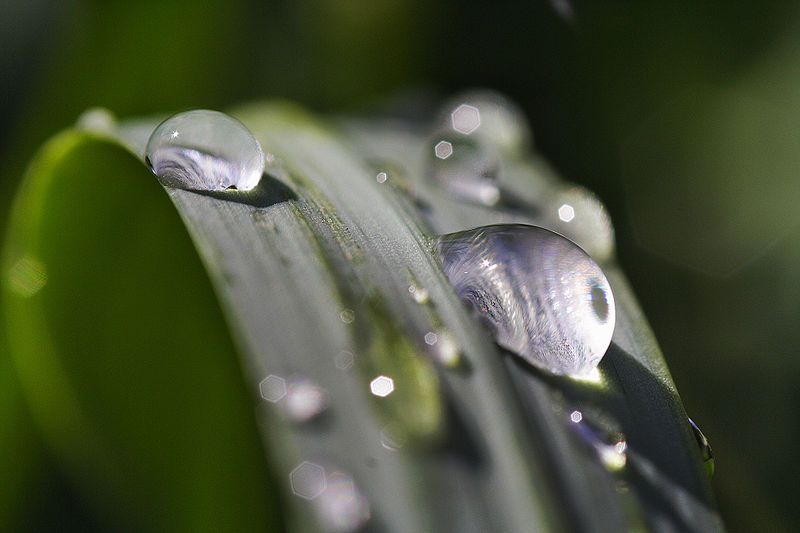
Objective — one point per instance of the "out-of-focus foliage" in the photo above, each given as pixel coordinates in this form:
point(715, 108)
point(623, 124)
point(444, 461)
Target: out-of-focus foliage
point(593, 86)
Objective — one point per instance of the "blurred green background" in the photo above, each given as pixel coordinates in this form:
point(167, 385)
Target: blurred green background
point(682, 117)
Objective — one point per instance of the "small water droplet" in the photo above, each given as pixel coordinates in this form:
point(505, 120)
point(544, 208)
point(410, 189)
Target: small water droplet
point(489, 117)
point(443, 348)
point(97, 119)
point(541, 296)
point(304, 400)
point(581, 217)
point(205, 150)
point(464, 168)
point(381, 177)
point(420, 294)
point(342, 506)
point(705, 448)
point(611, 446)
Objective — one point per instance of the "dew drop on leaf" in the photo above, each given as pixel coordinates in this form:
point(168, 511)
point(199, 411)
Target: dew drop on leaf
point(206, 151)
point(705, 448)
point(465, 168)
point(580, 216)
point(489, 118)
point(540, 295)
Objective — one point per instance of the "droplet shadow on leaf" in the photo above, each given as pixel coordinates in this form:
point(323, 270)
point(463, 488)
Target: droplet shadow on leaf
point(268, 192)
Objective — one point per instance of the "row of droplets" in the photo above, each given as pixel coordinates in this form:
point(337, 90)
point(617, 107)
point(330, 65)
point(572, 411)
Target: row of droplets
point(540, 294)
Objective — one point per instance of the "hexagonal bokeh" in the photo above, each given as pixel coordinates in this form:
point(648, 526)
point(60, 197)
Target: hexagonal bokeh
point(465, 119)
point(272, 388)
point(382, 386)
point(443, 149)
point(307, 480)
point(711, 179)
point(566, 213)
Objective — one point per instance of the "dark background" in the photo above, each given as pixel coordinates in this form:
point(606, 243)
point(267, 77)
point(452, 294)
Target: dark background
point(682, 117)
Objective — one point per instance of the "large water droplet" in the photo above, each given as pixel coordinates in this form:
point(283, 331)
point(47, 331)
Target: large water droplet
point(489, 118)
point(579, 215)
point(205, 150)
point(465, 168)
point(540, 294)
point(705, 448)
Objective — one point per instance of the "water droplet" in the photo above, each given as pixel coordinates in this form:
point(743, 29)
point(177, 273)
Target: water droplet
point(342, 506)
point(304, 400)
point(705, 448)
point(540, 295)
point(420, 294)
point(444, 348)
point(381, 177)
point(611, 446)
point(464, 168)
point(205, 150)
point(97, 119)
point(489, 117)
point(579, 215)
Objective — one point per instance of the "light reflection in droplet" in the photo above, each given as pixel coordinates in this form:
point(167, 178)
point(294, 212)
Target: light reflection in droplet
point(382, 386)
point(576, 416)
point(539, 294)
point(272, 388)
point(205, 150)
point(381, 177)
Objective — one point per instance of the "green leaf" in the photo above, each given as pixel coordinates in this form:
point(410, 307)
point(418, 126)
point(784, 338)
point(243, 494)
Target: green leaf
point(122, 351)
point(103, 288)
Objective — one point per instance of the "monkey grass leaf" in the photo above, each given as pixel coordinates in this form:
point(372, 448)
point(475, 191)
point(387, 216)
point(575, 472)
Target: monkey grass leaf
point(125, 359)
